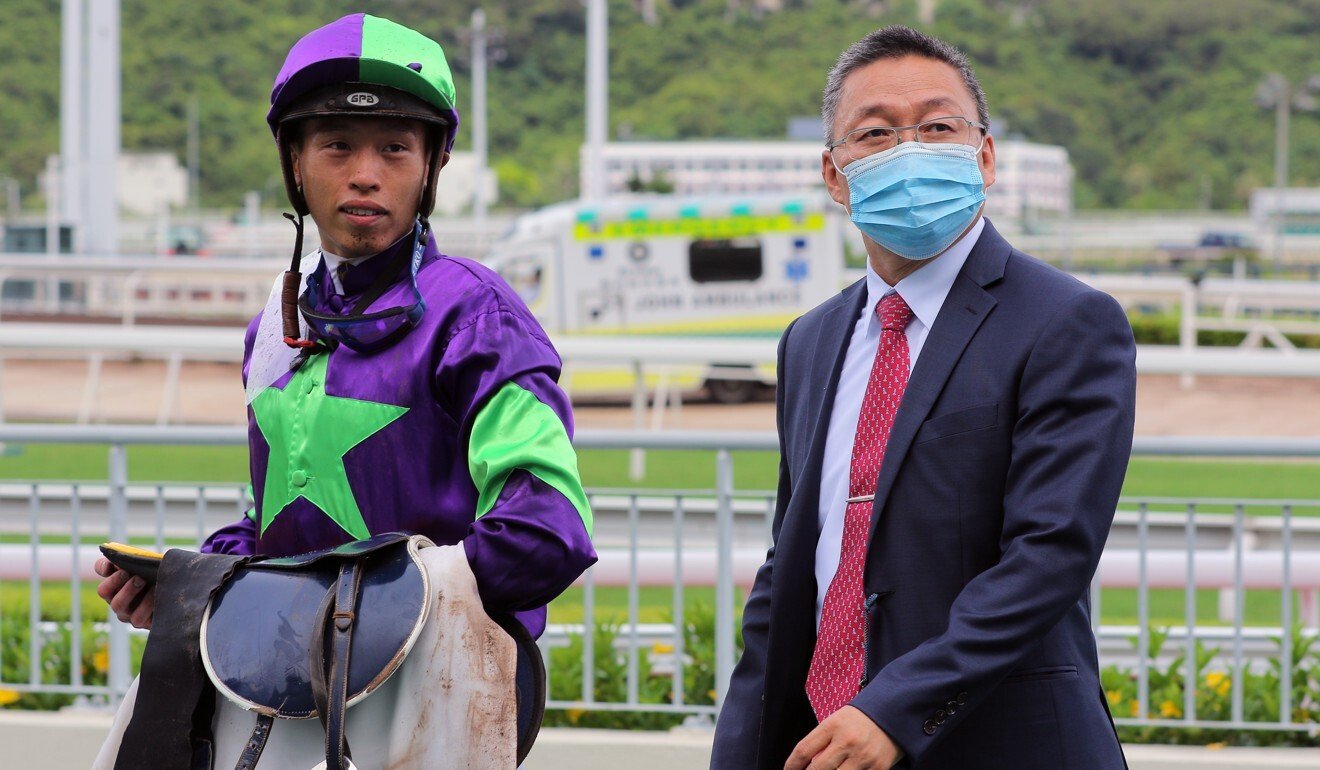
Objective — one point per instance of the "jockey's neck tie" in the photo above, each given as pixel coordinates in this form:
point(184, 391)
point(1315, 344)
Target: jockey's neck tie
point(837, 665)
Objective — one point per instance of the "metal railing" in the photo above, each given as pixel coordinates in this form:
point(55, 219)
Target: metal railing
point(696, 540)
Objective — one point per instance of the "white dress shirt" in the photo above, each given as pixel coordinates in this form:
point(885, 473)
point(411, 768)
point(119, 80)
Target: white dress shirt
point(924, 291)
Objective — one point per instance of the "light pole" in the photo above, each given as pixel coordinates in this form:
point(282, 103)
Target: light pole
point(1277, 92)
point(598, 64)
point(479, 151)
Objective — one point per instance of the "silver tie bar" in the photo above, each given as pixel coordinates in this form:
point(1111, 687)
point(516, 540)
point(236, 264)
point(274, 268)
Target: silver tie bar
point(861, 499)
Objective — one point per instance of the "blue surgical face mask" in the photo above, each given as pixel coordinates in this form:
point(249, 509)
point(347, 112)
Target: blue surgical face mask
point(916, 199)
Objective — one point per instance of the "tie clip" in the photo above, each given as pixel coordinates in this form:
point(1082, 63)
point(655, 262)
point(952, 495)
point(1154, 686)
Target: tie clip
point(861, 499)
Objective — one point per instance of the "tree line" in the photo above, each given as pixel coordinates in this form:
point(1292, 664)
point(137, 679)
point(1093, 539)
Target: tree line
point(1154, 99)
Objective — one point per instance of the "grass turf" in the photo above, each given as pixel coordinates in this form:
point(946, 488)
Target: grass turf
point(1118, 606)
point(669, 469)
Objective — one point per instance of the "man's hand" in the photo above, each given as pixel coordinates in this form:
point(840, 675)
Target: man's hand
point(130, 598)
point(848, 740)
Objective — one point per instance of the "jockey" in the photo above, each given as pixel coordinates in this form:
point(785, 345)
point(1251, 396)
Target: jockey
point(390, 386)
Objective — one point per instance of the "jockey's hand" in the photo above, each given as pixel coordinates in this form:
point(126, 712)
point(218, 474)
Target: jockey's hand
point(129, 597)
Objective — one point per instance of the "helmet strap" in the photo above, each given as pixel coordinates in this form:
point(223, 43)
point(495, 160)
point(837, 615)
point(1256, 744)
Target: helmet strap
point(290, 288)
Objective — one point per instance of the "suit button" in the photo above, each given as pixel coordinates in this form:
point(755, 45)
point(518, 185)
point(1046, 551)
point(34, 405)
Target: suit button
point(940, 715)
point(298, 478)
point(951, 707)
point(962, 699)
point(929, 727)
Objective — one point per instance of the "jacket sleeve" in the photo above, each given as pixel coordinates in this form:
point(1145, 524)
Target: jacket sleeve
point(738, 731)
point(1070, 447)
point(237, 539)
point(530, 537)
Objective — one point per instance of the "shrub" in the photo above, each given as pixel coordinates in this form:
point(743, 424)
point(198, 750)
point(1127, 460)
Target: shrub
point(1214, 693)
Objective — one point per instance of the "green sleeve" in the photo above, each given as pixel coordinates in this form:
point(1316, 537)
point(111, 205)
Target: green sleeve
point(513, 430)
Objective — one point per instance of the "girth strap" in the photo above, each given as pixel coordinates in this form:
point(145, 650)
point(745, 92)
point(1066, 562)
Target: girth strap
point(171, 724)
point(331, 695)
point(256, 744)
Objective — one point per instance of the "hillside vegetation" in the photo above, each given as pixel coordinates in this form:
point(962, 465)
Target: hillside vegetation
point(1153, 98)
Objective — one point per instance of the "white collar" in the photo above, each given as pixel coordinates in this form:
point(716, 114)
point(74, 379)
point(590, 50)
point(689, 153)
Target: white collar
point(924, 289)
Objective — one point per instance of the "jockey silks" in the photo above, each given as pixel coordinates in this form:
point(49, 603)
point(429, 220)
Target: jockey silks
point(457, 431)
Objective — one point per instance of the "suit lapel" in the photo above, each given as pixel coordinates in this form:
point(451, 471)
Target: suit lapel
point(834, 334)
point(964, 310)
point(822, 383)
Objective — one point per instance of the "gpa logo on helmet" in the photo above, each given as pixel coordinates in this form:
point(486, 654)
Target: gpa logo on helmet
point(363, 99)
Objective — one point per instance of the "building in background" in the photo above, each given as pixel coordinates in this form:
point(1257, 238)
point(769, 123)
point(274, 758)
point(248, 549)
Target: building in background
point(1033, 185)
point(1295, 211)
point(147, 183)
point(1033, 181)
point(458, 182)
point(714, 167)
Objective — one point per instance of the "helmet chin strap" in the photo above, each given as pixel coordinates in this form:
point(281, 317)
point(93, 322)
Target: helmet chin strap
point(289, 291)
point(293, 276)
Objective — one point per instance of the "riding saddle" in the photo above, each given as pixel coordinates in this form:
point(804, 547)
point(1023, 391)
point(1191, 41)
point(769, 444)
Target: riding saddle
point(291, 638)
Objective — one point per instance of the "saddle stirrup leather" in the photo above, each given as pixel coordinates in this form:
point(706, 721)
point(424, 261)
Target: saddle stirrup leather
point(332, 695)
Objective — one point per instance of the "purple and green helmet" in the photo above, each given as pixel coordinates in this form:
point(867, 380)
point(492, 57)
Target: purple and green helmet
point(365, 66)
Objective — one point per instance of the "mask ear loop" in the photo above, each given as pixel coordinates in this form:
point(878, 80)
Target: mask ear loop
point(289, 291)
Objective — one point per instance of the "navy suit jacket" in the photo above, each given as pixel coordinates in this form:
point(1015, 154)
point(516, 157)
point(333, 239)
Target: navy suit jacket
point(998, 488)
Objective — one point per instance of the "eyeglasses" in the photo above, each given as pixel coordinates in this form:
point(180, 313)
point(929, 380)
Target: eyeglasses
point(868, 140)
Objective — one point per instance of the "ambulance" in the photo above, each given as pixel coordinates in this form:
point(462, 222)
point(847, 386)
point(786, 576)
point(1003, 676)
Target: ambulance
point(676, 267)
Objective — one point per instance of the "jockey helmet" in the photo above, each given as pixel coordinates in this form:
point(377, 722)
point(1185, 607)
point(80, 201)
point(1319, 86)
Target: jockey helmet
point(363, 65)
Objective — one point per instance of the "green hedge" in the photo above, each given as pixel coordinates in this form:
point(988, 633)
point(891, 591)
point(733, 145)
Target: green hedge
point(1164, 330)
point(610, 680)
point(1213, 696)
point(609, 685)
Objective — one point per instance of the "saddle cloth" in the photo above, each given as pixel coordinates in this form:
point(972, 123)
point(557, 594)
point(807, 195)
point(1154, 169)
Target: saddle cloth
point(452, 703)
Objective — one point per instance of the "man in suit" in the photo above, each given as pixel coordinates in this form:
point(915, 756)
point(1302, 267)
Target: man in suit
point(954, 431)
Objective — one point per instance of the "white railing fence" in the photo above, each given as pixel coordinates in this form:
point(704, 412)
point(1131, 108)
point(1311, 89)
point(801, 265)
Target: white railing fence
point(1258, 561)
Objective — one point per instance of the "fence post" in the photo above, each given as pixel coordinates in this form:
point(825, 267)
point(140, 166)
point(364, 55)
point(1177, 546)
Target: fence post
point(637, 457)
point(1187, 329)
point(724, 576)
point(120, 670)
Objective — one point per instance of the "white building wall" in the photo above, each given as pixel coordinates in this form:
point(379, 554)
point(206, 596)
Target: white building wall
point(458, 183)
point(147, 183)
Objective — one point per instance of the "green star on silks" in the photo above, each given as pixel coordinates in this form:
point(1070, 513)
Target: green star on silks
point(309, 432)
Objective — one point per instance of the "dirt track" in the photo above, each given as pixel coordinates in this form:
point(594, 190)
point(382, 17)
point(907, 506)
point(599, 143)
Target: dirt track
point(211, 394)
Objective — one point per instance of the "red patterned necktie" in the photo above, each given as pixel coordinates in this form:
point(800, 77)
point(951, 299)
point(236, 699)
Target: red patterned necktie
point(838, 664)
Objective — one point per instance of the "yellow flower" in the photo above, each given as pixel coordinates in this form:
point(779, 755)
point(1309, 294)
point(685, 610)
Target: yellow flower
point(660, 648)
point(101, 660)
point(1216, 746)
point(1219, 682)
point(9, 696)
point(1170, 710)
point(574, 715)
point(1135, 707)
point(1115, 697)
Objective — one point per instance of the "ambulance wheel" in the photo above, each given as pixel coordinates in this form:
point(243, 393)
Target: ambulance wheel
point(731, 391)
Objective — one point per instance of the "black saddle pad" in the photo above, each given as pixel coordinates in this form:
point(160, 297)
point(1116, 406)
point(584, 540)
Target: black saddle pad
point(530, 683)
point(258, 629)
